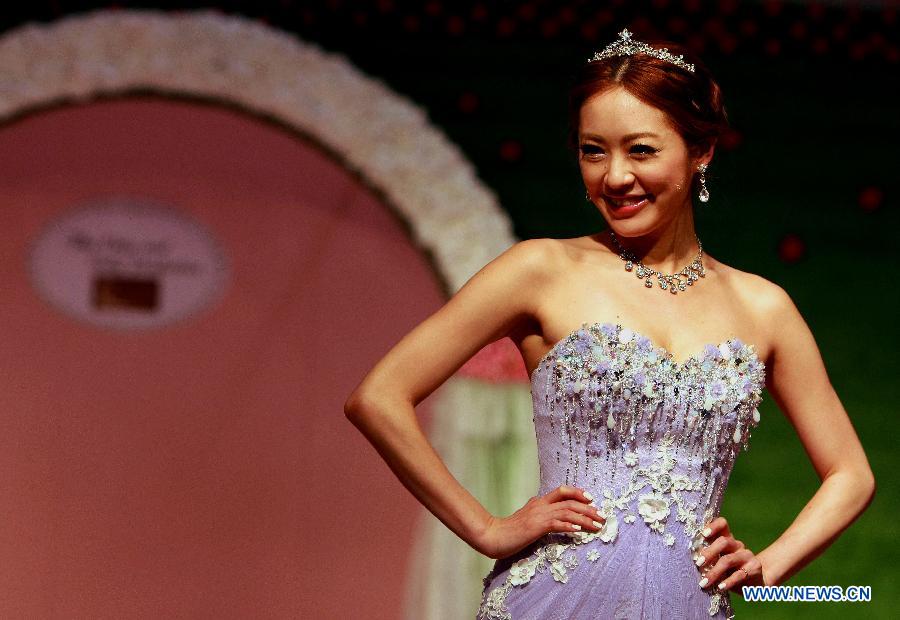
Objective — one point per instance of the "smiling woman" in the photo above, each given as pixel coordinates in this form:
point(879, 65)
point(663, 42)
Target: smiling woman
point(626, 170)
point(641, 412)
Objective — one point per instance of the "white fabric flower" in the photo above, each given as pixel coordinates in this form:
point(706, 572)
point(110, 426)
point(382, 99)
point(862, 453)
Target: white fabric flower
point(593, 554)
point(629, 518)
point(582, 536)
point(607, 507)
point(555, 551)
point(610, 528)
point(557, 567)
point(522, 571)
point(558, 570)
point(631, 459)
point(653, 507)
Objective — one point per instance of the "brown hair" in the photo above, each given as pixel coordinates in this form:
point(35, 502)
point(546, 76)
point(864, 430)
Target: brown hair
point(691, 101)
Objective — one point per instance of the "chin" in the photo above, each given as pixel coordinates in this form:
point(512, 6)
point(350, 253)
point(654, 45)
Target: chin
point(633, 226)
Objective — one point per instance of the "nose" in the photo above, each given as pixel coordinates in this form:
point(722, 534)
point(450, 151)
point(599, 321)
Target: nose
point(618, 175)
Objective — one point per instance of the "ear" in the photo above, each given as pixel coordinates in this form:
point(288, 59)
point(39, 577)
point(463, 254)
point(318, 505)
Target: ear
point(705, 156)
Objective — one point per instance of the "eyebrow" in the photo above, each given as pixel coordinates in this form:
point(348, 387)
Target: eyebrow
point(625, 138)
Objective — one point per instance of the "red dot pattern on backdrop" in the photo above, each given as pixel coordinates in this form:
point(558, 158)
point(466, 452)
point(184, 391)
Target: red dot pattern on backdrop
point(871, 198)
point(549, 28)
point(731, 139)
point(722, 27)
point(728, 7)
point(772, 8)
point(505, 27)
point(456, 26)
point(714, 33)
point(527, 12)
point(467, 103)
point(411, 23)
point(589, 32)
point(511, 151)
point(791, 248)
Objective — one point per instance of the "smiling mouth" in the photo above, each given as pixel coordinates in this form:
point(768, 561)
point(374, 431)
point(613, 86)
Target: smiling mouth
point(627, 202)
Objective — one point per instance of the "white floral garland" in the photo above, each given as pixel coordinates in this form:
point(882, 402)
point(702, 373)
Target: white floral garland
point(383, 137)
point(386, 139)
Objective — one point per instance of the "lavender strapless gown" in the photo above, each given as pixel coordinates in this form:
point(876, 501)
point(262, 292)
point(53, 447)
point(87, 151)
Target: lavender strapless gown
point(653, 440)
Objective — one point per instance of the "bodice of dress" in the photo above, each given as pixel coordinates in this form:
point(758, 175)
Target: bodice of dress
point(653, 439)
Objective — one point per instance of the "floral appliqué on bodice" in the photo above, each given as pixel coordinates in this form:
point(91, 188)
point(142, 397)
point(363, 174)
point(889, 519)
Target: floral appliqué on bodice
point(655, 437)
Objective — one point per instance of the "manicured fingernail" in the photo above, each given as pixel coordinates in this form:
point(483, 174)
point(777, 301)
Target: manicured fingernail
point(722, 585)
point(703, 582)
point(589, 497)
point(596, 524)
point(700, 561)
point(575, 526)
point(707, 531)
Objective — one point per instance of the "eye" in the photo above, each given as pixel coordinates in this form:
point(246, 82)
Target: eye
point(590, 150)
point(643, 149)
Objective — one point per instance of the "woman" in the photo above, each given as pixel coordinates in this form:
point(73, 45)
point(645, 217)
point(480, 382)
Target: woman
point(644, 393)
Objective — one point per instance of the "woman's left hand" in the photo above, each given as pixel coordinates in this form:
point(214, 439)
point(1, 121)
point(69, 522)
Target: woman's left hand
point(736, 566)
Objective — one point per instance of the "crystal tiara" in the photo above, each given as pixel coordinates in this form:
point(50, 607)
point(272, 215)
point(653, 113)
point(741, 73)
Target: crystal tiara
point(626, 46)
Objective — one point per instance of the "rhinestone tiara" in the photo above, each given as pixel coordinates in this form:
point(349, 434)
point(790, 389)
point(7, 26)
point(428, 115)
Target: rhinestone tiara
point(626, 46)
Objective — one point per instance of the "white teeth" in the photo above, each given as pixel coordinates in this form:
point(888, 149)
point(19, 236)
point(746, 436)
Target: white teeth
point(626, 203)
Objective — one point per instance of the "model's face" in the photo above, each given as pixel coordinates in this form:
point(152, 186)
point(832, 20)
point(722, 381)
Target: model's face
point(628, 153)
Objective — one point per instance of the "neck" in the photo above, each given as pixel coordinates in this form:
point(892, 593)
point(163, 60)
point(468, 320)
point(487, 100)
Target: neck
point(668, 249)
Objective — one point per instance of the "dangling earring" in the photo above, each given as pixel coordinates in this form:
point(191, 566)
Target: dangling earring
point(587, 196)
point(704, 193)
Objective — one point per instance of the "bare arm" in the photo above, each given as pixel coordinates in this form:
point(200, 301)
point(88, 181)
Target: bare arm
point(798, 382)
point(486, 308)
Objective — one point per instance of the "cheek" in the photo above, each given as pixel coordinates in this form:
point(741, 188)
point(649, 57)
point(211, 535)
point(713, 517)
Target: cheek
point(663, 180)
point(586, 168)
point(590, 174)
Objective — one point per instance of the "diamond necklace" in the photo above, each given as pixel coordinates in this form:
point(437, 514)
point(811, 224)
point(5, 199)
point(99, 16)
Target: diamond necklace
point(678, 281)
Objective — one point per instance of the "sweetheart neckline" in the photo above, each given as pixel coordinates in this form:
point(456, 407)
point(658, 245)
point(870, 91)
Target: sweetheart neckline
point(669, 355)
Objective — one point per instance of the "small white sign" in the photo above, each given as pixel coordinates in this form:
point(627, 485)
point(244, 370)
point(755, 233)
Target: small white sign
point(127, 263)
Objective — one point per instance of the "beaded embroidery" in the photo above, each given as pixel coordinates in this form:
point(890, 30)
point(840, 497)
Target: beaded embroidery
point(608, 392)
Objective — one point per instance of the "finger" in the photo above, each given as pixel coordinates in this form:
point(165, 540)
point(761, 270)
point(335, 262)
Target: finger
point(566, 492)
point(726, 564)
point(720, 546)
point(585, 509)
point(740, 575)
point(716, 527)
point(558, 525)
point(585, 521)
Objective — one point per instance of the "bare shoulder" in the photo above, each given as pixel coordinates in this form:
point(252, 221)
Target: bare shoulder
point(769, 299)
point(762, 295)
point(542, 260)
point(769, 304)
point(499, 300)
point(536, 256)
point(526, 267)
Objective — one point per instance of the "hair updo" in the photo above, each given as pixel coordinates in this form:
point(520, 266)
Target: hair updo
point(691, 101)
